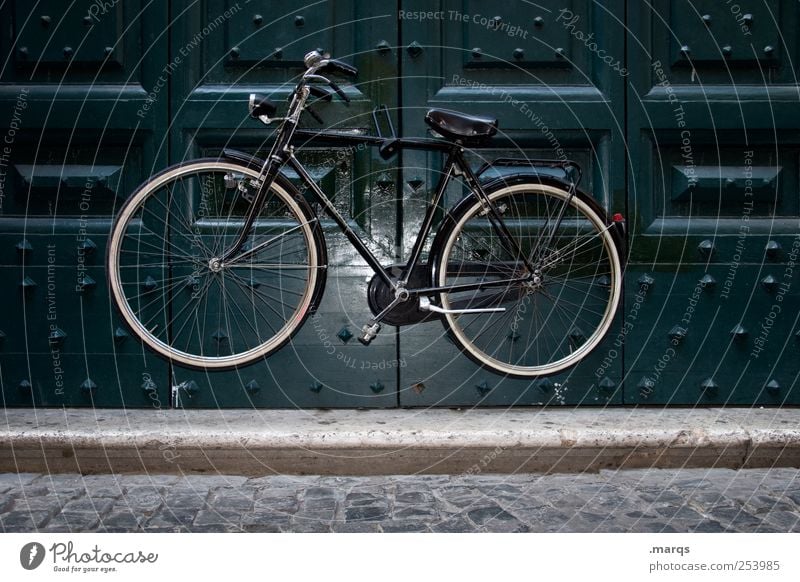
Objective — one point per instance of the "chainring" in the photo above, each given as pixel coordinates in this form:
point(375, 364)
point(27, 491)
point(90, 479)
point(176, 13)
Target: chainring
point(379, 295)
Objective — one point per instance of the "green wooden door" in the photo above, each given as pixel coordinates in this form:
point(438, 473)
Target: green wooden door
point(73, 87)
point(529, 65)
point(259, 46)
point(712, 288)
point(683, 115)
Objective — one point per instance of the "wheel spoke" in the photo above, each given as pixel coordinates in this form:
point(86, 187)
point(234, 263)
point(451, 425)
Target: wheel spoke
point(560, 300)
point(164, 237)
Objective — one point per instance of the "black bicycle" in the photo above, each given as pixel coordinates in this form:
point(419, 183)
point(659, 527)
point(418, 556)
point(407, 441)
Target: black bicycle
point(215, 263)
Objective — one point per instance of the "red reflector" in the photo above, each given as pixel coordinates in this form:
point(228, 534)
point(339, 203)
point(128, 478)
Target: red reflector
point(618, 217)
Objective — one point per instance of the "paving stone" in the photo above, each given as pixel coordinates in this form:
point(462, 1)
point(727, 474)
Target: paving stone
point(208, 517)
point(121, 521)
point(240, 504)
point(689, 500)
point(456, 525)
point(172, 518)
point(167, 529)
point(484, 515)
point(265, 521)
point(653, 527)
point(708, 526)
point(110, 492)
point(366, 513)
point(785, 521)
point(363, 499)
point(99, 506)
point(23, 521)
point(47, 503)
point(356, 527)
point(503, 526)
point(708, 499)
point(185, 501)
point(276, 493)
point(678, 512)
point(655, 495)
point(413, 497)
point(414, 512)
point(286, 504)
point(215, 528)
point(144, 502)
point(404, 526)
point(320, 492)
point(266, 527)
point(794, 496)
point(543, 518)
point(73, 521)
point(736, 517)
point(307, 526)
point(326, 515)
point(637, 514)
point(761, 504)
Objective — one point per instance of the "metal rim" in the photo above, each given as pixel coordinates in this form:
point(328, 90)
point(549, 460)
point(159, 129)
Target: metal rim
point(592, 341)
point(187, 359)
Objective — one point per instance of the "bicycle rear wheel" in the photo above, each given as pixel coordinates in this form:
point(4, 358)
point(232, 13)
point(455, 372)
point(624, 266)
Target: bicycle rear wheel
point(167, 282)
point(560, 312)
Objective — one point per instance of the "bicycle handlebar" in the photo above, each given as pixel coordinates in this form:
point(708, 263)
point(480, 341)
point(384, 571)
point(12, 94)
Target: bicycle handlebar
point(315, 62)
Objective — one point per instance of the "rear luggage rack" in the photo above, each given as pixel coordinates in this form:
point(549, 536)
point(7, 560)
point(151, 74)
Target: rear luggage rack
point(572, 171)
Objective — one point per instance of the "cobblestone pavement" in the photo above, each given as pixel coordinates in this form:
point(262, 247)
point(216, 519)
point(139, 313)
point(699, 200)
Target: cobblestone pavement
point(689, 500)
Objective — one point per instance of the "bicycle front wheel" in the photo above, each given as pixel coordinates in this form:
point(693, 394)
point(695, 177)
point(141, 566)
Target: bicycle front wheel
point(166, 279)
point(561, 311)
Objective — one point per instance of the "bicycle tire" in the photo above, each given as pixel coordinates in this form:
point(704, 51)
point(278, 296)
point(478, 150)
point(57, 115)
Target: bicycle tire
point(552, 332)
point(167, 259)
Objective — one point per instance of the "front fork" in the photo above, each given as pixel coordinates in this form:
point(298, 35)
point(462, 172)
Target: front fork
point(273, 166)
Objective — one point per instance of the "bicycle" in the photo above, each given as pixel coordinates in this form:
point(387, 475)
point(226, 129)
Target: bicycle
point(215, 263)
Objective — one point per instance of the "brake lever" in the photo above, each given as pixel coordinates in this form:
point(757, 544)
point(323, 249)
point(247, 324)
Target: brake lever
point(339, 92)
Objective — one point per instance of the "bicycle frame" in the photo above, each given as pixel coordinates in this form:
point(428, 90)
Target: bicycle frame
point(282, 154)
point(454, 165)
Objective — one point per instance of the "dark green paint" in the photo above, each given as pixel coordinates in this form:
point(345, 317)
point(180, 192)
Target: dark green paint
point(103, 110)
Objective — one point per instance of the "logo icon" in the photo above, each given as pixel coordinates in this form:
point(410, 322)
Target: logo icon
point(31, 555)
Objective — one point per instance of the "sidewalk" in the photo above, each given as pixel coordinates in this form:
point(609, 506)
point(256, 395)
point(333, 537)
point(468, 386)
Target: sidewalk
point(640, 500)
point(393, 442)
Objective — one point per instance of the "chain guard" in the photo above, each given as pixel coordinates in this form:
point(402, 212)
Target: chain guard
point(379, 295)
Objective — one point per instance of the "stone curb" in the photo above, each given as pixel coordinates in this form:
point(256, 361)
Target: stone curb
point(359, 442)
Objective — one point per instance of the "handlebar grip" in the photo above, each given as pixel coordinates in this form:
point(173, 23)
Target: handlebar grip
point(342, 95)
point(336, 66)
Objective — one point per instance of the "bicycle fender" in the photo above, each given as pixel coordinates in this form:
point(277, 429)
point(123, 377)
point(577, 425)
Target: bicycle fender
point(252, 162)
point(449, 221)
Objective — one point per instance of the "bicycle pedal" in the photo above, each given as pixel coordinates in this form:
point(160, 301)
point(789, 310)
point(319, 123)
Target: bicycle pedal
point(369, 332)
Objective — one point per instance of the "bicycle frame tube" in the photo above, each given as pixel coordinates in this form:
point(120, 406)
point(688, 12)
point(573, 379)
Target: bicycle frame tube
point(493, 215)
point(447, 172)
point(282, 154)
point(340, 221)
